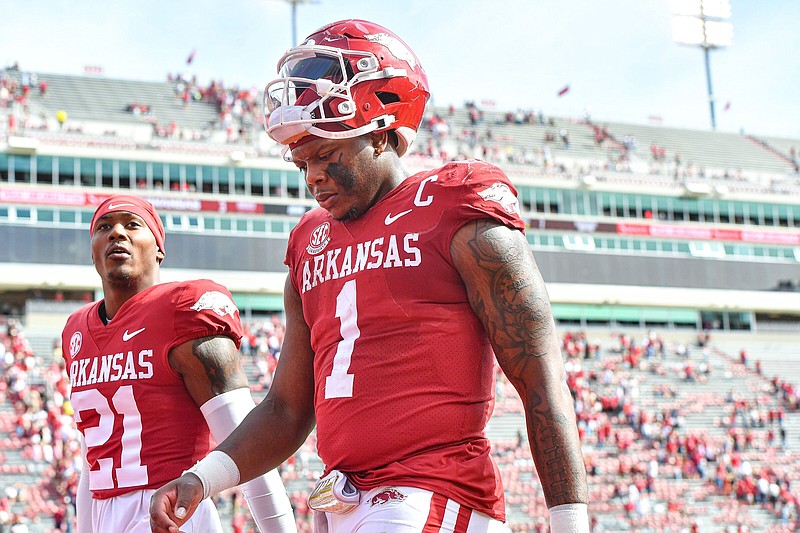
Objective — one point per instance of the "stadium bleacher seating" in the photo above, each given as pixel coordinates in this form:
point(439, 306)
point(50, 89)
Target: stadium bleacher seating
point(656, 468)
point(92, 98)
point(669, 402)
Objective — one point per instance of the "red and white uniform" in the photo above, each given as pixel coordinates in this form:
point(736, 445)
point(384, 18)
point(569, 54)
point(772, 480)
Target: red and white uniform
point(141, 426)
point(403, 367)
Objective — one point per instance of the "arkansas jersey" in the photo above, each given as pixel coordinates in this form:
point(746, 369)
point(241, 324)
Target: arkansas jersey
point(403, 367)
point(141, 426)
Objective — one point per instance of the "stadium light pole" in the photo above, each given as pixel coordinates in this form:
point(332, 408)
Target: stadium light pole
point(703, 23)
point(294, 17)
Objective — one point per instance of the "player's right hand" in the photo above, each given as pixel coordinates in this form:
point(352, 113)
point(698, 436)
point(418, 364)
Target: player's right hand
point(173, 504)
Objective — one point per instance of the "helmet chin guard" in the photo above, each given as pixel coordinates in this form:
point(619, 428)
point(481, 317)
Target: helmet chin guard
point(289, 125)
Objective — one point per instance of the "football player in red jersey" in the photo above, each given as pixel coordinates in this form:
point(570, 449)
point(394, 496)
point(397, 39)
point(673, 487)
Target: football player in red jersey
point(154, 373)
point(402, 291)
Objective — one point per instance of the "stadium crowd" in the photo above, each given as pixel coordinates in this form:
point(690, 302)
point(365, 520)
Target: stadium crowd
point(479, 140)
point(653, 443)
point(238, 109)
point(644, 463)
point(643, 459)
point(547, 147)
point(40, 447)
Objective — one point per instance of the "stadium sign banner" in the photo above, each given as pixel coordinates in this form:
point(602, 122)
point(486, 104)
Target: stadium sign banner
point(12, 195)
point(79, 199)
point(25, 196)
point(708, 234)
point(666, 231)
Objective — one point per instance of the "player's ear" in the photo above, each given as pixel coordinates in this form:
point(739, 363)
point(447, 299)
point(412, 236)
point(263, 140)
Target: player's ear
point(159, 256)
point(379, 140)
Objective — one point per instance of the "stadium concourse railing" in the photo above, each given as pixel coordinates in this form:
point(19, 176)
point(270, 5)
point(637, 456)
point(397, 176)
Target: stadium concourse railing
point(583, 173)
point(584, 176)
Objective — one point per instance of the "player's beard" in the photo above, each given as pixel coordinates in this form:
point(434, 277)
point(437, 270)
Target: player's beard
point(351, 214)
point(120, 278)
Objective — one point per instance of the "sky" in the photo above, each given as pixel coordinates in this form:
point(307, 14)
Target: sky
point(618, 57)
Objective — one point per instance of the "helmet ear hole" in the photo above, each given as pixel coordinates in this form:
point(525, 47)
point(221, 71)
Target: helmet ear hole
point(393, 140)
point(387, 98)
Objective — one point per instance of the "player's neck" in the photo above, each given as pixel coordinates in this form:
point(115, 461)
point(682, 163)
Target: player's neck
point(396, 175)
point(115, 295)
point(101, 311)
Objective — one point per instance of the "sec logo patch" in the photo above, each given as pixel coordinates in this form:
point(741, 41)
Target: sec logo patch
point(75, 343)
point(319, 239)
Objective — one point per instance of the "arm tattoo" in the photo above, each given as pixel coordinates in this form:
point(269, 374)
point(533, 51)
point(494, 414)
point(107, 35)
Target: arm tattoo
point(518, 301)
point(508, 294)
point(221, 363)
point(547, 442)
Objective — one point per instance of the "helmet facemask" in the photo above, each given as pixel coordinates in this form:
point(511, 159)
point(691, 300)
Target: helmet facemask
point(348, 79)
point(315, 88)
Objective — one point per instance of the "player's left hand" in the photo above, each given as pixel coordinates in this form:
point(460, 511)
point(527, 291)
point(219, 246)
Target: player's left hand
point(173, 504)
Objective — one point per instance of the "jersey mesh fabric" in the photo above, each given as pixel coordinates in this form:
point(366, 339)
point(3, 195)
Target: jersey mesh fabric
point(389, 311)
point(141, 425)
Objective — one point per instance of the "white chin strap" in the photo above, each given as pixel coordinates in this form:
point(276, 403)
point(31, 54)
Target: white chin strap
point(288, 124)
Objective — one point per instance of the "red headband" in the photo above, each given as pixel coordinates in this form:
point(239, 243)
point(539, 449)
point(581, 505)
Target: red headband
point(138, 206)
point(301, 141)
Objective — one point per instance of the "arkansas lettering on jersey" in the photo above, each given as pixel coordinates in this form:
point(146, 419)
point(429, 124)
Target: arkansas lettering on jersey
point(403, 367)
point(140, 425)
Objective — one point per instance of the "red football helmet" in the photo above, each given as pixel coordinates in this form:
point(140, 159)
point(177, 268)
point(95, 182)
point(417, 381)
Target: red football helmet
point(348, 78)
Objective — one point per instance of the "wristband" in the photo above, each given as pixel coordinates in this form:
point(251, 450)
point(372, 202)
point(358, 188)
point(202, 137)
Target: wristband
point(217, 472)
point(569, 518)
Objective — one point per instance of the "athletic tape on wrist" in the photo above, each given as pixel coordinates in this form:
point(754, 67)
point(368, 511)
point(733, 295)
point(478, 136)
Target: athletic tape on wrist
point(217, 472)
point(569, 518)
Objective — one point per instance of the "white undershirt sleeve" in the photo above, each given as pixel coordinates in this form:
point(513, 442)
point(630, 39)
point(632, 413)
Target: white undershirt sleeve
point(266, 496)
point(83, 496)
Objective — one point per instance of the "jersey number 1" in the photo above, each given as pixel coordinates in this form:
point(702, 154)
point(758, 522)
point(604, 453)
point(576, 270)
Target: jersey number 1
point(340, 384)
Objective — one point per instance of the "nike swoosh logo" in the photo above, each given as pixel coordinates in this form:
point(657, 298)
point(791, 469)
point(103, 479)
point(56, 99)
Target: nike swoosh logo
point(114, 206)
point(391, 218)
point(128, 336)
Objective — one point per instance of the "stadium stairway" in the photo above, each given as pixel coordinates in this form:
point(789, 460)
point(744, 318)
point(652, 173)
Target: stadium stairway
point(763, 143)
point(784, 147)
point(506, 427)
point(42, 346)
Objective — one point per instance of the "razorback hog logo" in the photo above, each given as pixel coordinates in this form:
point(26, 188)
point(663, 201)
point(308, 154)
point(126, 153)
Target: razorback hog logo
point(397, 48)
point(319, 238)
point(500, 193)
point(387, 496)
point(217, 302)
